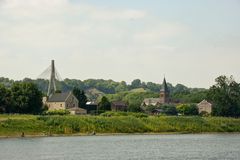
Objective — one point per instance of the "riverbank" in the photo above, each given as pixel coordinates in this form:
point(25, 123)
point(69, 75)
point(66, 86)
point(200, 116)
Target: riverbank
point(34, 126)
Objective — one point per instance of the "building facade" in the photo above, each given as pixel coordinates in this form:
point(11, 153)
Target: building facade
point(119, 106)
point(204, 106)
point(61, 101)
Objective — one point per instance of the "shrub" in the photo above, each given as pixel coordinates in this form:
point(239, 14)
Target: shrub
point(137, 115)
point(57, 112)
point(187, 109)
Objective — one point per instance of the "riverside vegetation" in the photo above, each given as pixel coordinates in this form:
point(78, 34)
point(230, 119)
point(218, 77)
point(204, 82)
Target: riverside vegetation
point(21, 98)
point(110, 123)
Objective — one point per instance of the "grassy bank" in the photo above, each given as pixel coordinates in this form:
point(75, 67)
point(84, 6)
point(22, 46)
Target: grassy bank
point(14, 125)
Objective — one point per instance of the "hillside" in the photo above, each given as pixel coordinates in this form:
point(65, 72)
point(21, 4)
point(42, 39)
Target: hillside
point(106, 86)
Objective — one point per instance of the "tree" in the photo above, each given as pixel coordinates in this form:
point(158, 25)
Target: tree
point(136, 83)
point(187, 109)
point(104, 105)
point(80, 95)
point(168, 109)
point(26, 98)
point(4, 98)
point(122, 86)
point(225, 95)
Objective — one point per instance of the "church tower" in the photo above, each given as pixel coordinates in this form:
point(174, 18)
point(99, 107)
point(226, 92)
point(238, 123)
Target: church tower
point(164, 93)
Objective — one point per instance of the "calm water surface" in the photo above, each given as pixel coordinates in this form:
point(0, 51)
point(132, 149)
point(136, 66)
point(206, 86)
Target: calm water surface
point(129, 147)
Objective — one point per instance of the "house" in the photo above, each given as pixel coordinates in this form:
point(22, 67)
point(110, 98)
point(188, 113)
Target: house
point(77, 111)
point(91, 107)
point(119, 106)
point(151, 102)
point(204, 106)
point(66, 100)
point(163, 97)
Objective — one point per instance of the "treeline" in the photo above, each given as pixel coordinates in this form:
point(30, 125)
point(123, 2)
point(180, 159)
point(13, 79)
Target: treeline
point(111, 87)
point(26, 96)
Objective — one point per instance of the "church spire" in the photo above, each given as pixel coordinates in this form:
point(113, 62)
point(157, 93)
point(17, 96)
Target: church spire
point(164, 92)
point(164, 87)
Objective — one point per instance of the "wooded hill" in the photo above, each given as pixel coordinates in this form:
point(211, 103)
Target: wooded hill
point(95, 88)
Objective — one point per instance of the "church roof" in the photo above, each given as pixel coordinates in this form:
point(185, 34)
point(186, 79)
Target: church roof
point(59, 97)
point(204, 102)
point(164, 87)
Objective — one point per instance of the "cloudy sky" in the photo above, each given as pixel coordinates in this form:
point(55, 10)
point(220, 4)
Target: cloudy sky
point(191, 42)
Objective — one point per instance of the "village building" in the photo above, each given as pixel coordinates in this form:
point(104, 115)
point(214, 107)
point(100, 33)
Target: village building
point(164, 97)
point(204, 106)
point(119, 106)
point(91, 107)
point(59, 101)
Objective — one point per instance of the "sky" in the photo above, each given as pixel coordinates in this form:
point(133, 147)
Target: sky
point(190, 42)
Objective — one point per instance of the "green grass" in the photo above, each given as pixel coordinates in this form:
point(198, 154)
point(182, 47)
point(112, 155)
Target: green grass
point(14, 125)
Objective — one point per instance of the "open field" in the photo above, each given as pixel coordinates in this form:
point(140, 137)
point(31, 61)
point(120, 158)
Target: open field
point(14, 125)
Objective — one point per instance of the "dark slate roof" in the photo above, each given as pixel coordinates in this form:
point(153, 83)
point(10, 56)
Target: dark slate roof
point(59, 97)
point(164, 87)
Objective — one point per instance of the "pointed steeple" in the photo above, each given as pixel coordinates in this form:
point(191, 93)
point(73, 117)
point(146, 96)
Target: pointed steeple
point(164, 93)
point(164, 87)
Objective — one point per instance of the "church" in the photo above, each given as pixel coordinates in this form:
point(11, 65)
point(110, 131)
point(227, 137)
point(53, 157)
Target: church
point(164, 97)
point(60, 101)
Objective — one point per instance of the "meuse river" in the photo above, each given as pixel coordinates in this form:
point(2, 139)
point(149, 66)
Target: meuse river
point(126, 147)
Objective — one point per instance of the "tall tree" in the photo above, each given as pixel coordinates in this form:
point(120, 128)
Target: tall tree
point(136, 83)
point(225, 95)
point(26, 98)
point(104, 105)
point(4, 98)
point(80, 95)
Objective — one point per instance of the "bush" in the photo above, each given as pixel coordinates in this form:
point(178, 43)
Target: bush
point(57, 112)
point(187, 109)
point(111, 114)
point(168, 109)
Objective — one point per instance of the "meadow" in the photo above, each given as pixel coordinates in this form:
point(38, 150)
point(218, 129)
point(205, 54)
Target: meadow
point(112, 123)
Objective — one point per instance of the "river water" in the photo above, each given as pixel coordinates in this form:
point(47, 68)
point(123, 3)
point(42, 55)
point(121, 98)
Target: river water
point(126, 147)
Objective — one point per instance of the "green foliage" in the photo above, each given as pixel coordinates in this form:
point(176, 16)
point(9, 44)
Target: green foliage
point(168, 109)
point(90, 86)
point(225, 95)
point(187, 109)
point(137, 115)
point(192, 96)
point(104, 105)
point(14, 125)
point(4, 98)
point(57, 112)
point(136, 84)
point(153, 86)
point(165, 109)
point(6, 82)
point(25, 98)
point(133, 99)
point(80, 95)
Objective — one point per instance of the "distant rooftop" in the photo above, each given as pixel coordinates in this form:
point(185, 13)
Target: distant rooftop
point(59, 97)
